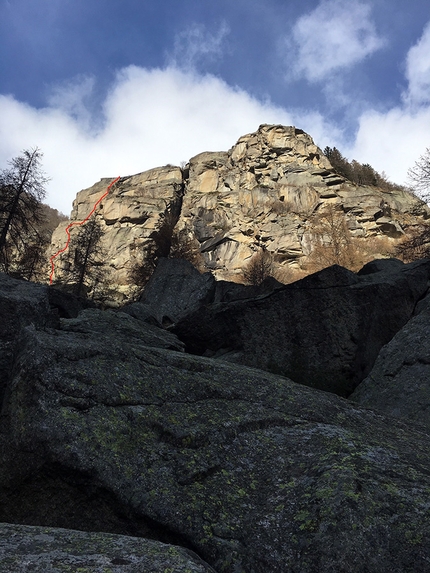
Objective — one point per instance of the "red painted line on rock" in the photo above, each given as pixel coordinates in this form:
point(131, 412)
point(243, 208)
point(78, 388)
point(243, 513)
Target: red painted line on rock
point(75, 224)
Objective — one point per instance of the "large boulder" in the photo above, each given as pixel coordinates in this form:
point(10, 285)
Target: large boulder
point(101, 432)
point(324, 331)
point(399, 383)
point(95, 322)
point(49, 550)
point(176, 289)
point(21, 304)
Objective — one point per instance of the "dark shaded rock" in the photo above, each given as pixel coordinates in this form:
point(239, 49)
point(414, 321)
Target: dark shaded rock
point(381, 265)
point(21, 304)
point(250, 470)
point(399, 383)
point(49, 550)
point(175, 289)
point(227, 291)
point(67, 304)
point(104, 324)
point(142, 312)
point(324, 331)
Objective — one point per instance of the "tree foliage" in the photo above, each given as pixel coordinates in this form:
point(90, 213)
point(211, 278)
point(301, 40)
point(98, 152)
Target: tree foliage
point(166, 242)
point(184, 246)
point(360, 173)
point(416, 245)
point(22, 189)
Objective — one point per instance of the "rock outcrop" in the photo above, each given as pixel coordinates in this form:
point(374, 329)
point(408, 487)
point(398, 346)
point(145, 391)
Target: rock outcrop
point(107, 427)
point(399, 383)
point(176, 289)
point(129, 215)
point(22, 304)
point(265, 192)
point(49, 550)
point(325, 330)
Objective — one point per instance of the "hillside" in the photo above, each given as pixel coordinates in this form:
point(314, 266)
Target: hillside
point(274, 190)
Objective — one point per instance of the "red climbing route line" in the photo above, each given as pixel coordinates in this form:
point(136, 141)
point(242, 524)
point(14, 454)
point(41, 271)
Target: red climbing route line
point(75, 224)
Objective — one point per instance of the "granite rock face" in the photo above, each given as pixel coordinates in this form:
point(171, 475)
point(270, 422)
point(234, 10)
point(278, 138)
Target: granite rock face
point(50, 550)
point(399, 383)
point(325, 330)
point(107, 428)
point(128, 216)
point(264, 192)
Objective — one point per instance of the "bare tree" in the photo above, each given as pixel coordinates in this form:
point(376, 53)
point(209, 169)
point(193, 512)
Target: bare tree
point(22, 189)
point(31, 265)
point(332, 240)
point(416, 245)
point(164, 242)
point(419, 175)
point(259, 268)
point(184, 246)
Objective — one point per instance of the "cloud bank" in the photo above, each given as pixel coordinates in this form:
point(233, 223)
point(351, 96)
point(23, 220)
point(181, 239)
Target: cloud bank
point(150, 118)
point(394, 139)
point(336, 35)
point(418, 71)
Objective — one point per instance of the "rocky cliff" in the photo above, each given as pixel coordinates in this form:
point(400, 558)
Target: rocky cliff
point(120, 451)
point(266, 191)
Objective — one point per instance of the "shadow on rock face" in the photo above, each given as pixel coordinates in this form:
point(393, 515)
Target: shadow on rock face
point(107, 424)
point(324, 331)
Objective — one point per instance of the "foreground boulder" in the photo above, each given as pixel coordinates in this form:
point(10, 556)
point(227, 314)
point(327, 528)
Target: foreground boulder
point(252, 472)
point(324, 331)
point(49, 550)
point(21, 304)
point(399, 383)
point(177, 289)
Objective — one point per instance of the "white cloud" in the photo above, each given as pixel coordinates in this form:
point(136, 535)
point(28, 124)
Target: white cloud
point(152, 117)
point(418, 71)
point(72, 97)
point(334, 36)
point(392, 141)
point(197, 45)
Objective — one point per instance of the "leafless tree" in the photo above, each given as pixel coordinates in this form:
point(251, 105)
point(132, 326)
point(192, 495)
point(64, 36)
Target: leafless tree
point(259, 268)
point(332, 239)
point(416, 245)
point(419, 176)
point(22, 189)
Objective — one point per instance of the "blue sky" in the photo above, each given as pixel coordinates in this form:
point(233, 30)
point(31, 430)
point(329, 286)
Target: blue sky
point(114, 87)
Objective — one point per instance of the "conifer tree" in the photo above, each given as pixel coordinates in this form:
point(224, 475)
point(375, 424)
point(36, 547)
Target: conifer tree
point(86, 257)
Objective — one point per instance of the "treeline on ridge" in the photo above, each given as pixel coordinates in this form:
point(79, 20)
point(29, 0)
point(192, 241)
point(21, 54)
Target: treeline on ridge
point(356, 172)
